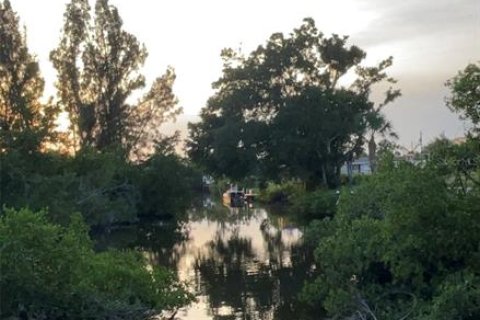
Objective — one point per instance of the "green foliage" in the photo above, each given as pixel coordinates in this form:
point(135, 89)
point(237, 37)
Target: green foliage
point(104, 187)
point(283, 193)
point(106, 192)
point(405, 243)
point(317, 131)
point(25, 122)
point(458, 298)
point(280, 113)
point(166, 185)
point(458, 163)
point(465, 93)
point(318, 204)
point(97, 185)
point(219, 186)
point(97, 63)
point(50, 271)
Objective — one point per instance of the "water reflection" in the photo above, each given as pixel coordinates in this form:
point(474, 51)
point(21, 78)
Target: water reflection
point(242, 263)
point(163, 243)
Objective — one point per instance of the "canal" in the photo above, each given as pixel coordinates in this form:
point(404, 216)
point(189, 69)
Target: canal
point(246, 263)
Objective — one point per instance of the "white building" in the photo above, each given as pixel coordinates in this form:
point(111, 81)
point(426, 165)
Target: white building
point(359, 166)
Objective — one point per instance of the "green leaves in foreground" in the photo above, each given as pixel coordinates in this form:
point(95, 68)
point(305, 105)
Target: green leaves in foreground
point(50, 271)
point(404, 245)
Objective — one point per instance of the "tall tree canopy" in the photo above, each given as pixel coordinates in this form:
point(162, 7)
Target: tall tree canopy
point(25, 122)
point(465, 93)
point(98, 70)
point(282, 110)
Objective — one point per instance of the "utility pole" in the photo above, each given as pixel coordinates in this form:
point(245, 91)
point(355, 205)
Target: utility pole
point(421, 146)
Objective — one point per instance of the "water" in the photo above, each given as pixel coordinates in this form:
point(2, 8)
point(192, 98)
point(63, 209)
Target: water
point(241, 263)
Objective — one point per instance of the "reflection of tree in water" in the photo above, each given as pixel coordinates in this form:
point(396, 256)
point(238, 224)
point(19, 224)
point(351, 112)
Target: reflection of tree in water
point(230, 278)
point(243, 276)
point(234, 279)
point(162, 243)
point(223, 215)
point(290, 270)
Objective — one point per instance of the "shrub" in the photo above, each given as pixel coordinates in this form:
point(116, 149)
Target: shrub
point(104, 187)
point(166, 185)
point(318, 204)
point(405, 243)
point(281, 193)
point(51, 271)
point(97, 185)
point(105, 192)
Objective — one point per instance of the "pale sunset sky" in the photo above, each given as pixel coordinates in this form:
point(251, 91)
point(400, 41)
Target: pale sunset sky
point(430, 40)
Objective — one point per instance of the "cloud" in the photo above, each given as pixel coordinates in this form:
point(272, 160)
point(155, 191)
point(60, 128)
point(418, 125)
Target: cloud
point(408, 19)
point(430, 41)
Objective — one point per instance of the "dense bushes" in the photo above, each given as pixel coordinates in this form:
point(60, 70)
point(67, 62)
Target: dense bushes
point(51, 271)
point(104, 187)
point(166, 185)
point(303, 204)
point(97, 185)
point(283, 193)
point(404, 244)
point(317, 204)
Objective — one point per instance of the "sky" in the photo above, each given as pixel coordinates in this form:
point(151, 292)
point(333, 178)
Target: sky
point(430, 40)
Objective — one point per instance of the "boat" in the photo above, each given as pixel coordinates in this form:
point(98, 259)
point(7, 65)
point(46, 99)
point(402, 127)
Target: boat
point(250, 197)
point(233, 198)
point(238, 198)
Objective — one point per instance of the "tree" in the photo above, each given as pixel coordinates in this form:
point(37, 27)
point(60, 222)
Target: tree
point(97, 64)
point(456, 162)
point(25, 122)
point(404, 245)
point(465, 93)
point(281, 111)
point(377, 122)
point(316, 132)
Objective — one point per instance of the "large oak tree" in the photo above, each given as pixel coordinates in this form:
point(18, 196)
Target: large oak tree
point(284, 110)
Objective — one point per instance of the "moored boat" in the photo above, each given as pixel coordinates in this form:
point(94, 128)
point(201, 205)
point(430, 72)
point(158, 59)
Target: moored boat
point(233, 198)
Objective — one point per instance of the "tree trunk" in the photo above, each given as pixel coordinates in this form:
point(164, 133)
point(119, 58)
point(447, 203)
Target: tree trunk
point(324, 175)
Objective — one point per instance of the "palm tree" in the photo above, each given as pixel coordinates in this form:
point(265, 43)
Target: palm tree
point(378, 126)
point(376, 120)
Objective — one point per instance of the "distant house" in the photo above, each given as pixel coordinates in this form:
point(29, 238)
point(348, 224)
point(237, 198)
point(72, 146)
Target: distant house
point(359, 166)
